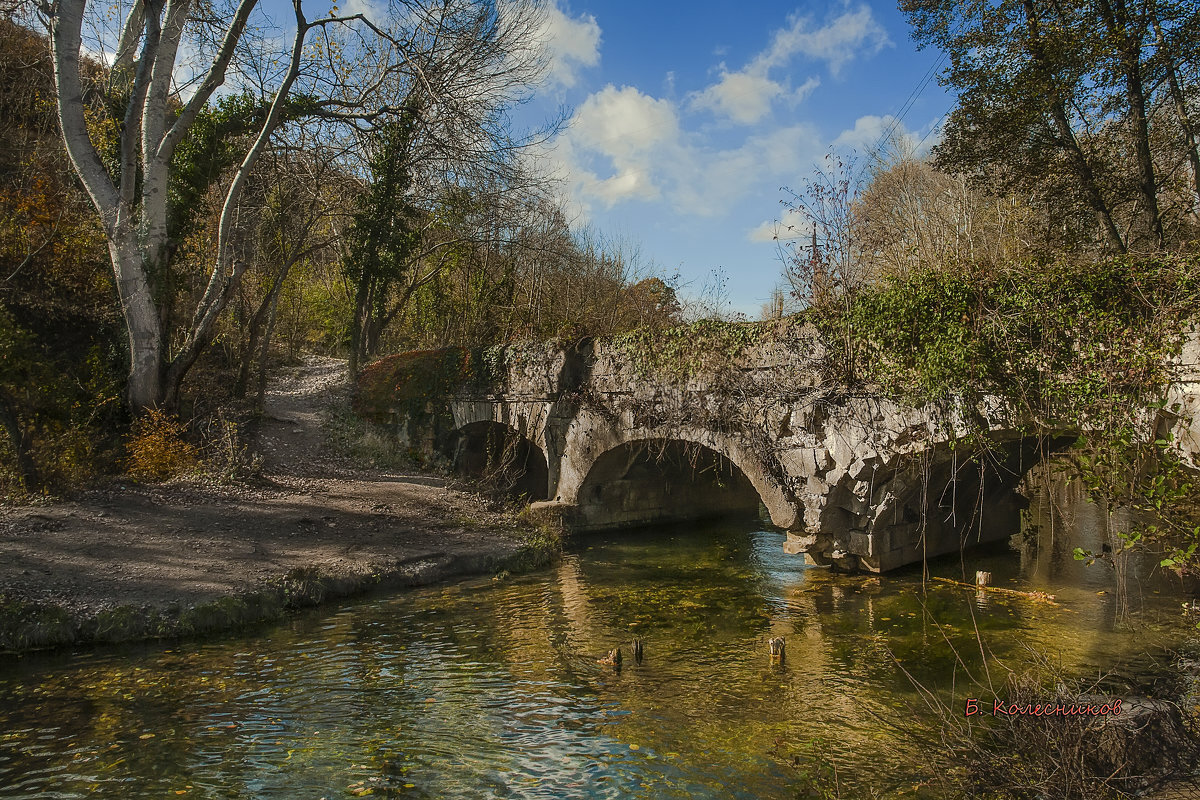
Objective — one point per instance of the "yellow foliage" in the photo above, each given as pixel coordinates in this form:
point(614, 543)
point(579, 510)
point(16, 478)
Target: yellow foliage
point(156, 447)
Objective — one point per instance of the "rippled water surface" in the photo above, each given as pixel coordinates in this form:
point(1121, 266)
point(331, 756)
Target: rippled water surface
point(492, 688)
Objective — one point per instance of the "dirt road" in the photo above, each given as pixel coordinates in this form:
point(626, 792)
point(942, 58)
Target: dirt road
point(130, 561)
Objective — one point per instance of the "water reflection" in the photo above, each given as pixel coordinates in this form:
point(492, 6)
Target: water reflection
point(492, 689)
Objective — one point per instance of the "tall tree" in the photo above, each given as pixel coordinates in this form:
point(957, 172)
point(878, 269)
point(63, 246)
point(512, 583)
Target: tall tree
point(384, 238)
point(466, 59)
point(1126, 29)
point(1170, 53)
point(1058, 99)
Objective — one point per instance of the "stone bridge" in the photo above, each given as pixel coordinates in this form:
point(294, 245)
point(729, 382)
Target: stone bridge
point(598, 433)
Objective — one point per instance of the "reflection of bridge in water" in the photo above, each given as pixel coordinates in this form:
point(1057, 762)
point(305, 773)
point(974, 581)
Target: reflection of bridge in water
point(857, 480)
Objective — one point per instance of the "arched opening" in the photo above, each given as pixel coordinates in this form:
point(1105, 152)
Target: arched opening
point(499, 458)
point(933, 503)
point(658, 480)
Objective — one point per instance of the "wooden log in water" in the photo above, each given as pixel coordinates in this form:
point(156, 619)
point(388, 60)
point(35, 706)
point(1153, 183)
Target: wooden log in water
point(1041, 597)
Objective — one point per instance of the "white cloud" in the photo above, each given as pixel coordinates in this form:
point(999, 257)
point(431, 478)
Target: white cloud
point(572, 43)
point(805, 89)
point(625, 145)
point(743, 97)
point(746, 96)
point(709, 182)
point(870, 132)
point(791, 226)
point(626, 131)
point(374, 11)
point(838, 41)
point(625, 121)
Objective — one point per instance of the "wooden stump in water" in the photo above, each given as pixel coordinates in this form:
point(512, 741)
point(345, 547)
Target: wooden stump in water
point(777, 648)
point(637, 650)
point(613, 659)
point(983, 578)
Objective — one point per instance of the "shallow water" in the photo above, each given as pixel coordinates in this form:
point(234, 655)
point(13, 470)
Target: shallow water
point(492, 688)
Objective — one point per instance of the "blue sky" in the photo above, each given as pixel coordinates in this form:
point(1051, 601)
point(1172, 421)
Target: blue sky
point(688, 118)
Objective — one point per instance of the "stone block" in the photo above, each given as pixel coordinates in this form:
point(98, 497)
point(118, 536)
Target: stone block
point(903, 535)
point(856, 506)
point(834, 518)
point(804, 542)
point(881, 541)
point(553, 513)
point(886, 512)
point(840, 449)
point(816, 486)
point(862, 469)
point(870, 564)
point(800, 462)
point(812, 516)
point(794, 545)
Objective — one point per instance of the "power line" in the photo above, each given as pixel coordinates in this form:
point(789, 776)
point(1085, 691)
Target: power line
point(908, 104)
point(898, 118)
point(935, 126)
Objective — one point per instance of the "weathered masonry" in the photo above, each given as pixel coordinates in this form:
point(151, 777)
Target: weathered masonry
point(593, 432)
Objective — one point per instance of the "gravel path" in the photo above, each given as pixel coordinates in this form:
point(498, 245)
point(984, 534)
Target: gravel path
point(184, 543)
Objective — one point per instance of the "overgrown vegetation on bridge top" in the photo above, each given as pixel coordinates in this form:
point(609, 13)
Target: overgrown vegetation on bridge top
point(682, 351)
point(1071, 343)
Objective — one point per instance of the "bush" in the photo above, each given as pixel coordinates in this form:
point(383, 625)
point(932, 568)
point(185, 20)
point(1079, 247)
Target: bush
point(408, 382)
point(156, 448)
point(1068, 342)
point(227, 455)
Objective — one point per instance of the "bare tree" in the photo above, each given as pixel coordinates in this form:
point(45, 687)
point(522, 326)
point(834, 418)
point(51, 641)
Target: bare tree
point(912, 216)
point(303, 197)
point(828, 266)
point(464, 60)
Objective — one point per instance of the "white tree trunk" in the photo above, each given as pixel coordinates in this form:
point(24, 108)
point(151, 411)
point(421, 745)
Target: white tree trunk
point(144, 389)
point(137, 242)
point(142, 322)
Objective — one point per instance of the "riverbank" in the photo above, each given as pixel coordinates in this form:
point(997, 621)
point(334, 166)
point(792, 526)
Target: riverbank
point(129, 561)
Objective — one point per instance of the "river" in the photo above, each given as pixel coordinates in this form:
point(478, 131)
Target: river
point(491, 688)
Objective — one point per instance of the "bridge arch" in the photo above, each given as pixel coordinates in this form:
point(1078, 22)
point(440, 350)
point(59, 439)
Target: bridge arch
point(498, 455)
point(650, 476)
